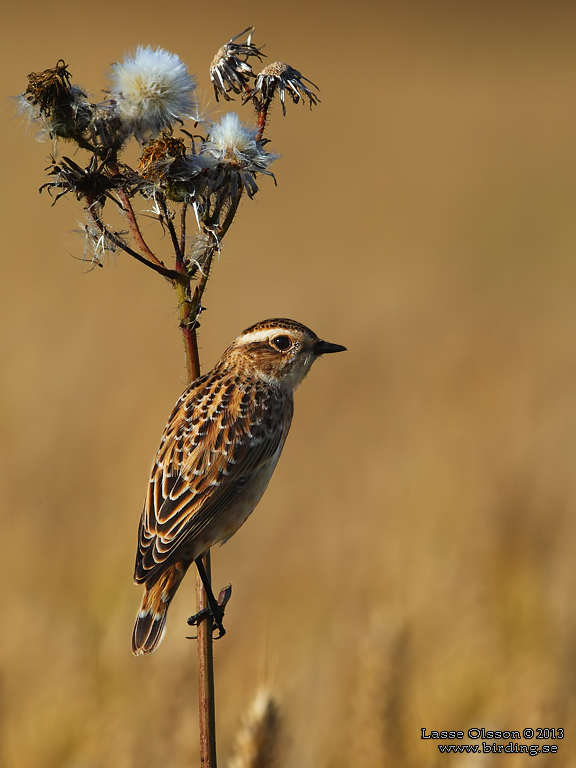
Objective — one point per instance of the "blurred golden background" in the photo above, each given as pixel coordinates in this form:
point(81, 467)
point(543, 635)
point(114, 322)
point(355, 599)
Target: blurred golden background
point(412, 563)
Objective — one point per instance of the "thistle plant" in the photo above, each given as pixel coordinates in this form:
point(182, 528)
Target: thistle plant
point(190, 177)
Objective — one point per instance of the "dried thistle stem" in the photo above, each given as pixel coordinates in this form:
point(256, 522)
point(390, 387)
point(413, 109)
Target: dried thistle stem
point(131, 216)
point(183, 212)
point(156, 265)
point(262, 119)
point(206, 696)
point(189, 309)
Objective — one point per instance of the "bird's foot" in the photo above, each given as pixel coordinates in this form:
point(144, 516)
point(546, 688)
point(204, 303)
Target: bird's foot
point(215, 612)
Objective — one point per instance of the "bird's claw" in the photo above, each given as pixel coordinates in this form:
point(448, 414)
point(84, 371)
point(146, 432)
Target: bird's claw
point(207, 612)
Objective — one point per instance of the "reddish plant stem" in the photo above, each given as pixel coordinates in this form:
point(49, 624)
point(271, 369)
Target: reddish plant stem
point(190, 348)
point(185, 306)
point(191, 342)
point(262, 117)
point(157, 265)
point(131, 216)
point(206, 697)
point(189, 308)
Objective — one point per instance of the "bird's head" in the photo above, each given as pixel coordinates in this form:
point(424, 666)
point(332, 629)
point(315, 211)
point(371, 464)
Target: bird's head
point(279, 351)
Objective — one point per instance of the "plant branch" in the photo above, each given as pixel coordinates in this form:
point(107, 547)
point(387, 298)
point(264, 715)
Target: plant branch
point(206, 695)
point(188, 327)
point(170, 274)
point(183, 212)
point(206, 698)
point(130, 215)
point(262, 118)
point(167, 220)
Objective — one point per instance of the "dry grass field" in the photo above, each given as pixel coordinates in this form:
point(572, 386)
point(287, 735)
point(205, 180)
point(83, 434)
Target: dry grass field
point(412, 563)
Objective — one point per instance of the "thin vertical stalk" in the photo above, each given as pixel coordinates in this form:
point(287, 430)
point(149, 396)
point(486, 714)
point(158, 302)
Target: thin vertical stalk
point(206, 697)
point(262, 118)
point(189, 307)
point(183, 213)
point(182, 286)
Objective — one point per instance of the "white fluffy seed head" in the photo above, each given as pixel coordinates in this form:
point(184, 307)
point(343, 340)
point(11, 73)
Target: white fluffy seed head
point(152, 90)
point(230, 135)
point(234, 145)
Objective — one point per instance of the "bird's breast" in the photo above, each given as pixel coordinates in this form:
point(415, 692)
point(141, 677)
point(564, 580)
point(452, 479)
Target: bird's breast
point(248, 497)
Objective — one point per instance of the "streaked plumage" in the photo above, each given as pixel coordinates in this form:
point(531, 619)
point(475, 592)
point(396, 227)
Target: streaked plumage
point(217, 455)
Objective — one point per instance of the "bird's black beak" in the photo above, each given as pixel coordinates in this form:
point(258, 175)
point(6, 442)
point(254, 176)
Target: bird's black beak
point(324, 347)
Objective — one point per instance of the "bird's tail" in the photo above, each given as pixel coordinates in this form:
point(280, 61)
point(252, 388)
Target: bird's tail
point(151, 619)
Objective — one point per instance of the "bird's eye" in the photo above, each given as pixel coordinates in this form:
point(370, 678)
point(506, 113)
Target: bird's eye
point(282, 343)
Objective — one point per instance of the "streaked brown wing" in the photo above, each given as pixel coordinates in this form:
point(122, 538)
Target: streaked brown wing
point(216, 439)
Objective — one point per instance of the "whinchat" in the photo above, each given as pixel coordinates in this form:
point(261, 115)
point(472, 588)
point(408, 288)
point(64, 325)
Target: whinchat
point(216, 457)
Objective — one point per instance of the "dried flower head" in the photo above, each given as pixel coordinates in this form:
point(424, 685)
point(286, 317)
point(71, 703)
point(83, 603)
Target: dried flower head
point(152, 90)
point(230, 70)
point(164, 164)
point(49, 88)
point(282, 77)
point(60, 108)
point(93, 183)
point(159, 156)
point(239, 155)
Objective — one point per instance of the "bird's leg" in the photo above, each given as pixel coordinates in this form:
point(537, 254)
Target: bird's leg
point(216, 608)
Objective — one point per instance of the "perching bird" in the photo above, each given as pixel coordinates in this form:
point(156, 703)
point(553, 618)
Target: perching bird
point(217, 455)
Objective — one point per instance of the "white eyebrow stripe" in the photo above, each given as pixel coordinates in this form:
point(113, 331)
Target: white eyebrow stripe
point(263, 335)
